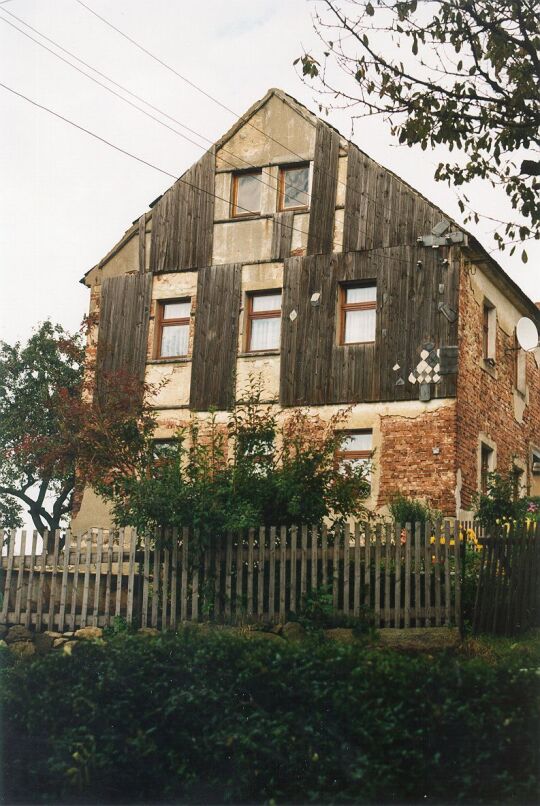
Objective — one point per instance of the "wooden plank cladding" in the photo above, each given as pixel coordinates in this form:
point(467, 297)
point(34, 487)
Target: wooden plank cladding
point(380, 209)
point(183, 220)
point(123, 327)
point(216, 336)
point(323, 190)
point(316, 369)
point(282, 235)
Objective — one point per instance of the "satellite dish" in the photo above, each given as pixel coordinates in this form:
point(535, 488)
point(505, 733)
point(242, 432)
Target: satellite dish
point(527, 334)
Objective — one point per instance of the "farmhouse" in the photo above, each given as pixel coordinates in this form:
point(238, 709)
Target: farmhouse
point(286, 252)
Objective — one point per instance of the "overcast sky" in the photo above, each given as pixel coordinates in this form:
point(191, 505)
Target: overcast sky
point(66, 198)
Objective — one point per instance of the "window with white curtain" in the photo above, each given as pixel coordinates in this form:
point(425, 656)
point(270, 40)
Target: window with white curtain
point(173, 328)
point(264, 320)
point(358, 313)
point(356, 450)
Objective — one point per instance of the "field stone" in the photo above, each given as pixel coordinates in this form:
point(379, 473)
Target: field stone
point(57, 642)
point(293, 631)
point(52, 634)
point(18, 633)
point(342, 634)
point(43, 642)
point(149, 631)
point(261, 635)
point(23, 649)
point(89, 633)
point(3, 643)
point(69, 646)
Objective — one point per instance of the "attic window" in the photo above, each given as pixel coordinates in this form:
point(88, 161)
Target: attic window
point(246, 195)
point(294, 187)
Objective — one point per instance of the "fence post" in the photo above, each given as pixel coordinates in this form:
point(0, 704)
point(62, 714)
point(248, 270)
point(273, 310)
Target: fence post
point(9, 571)
point(28, 615)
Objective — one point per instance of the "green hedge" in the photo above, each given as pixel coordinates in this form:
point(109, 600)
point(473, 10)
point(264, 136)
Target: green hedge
point(214, 718)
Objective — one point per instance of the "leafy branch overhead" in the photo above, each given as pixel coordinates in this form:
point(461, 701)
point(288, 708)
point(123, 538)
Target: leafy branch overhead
point(464, 74)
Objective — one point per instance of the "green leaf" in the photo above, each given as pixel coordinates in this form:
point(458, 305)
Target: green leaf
point(370, 11)
point(524, 256)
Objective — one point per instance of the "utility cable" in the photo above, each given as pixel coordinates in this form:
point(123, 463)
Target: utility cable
point(138, 97)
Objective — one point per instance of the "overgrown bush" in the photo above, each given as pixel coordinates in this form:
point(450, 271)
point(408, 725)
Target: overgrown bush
point(411, 510)
point(215, 718)
point(502, 503)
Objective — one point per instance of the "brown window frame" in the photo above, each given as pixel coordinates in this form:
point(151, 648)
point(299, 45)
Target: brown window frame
point(281, 187)
point(345, 306)
point(251, 314)
point(235, 213)
point(344, 455)
point(163, 323)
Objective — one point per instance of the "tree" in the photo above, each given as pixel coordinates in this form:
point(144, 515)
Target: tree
point(52, 426)
point(215, 477)
point(37, 451)
point(465, 74)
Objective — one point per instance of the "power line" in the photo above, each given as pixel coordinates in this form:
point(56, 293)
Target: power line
point(138, 97)
point(156, 167)
point(134, 156)
point(213, 98)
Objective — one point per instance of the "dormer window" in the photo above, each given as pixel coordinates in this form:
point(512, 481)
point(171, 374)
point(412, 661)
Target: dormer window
point(294, 187)
point(246, 195)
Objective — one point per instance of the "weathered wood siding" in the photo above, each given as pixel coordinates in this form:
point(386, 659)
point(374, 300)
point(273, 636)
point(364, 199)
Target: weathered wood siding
point(216, 337)
point(282, 235)
point(183, 220)
point(317, 370)
point(123, 327)
point(323, 190)
point(380, 210)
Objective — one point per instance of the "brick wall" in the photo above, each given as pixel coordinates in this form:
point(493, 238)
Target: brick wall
point(408, 462)
point(486, 398)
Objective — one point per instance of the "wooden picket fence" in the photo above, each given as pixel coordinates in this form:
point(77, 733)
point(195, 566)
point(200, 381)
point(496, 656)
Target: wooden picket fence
point(402, 576)
point(507, 597)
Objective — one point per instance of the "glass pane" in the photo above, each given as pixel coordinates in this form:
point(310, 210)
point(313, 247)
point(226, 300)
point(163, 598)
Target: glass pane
point(165, 448)
point(364, 293)
point(265, 334)
point(360, 326)
point(357, 442)
point(295, 187)
point(174, 340)
point(266, 302)
point(248, 193)
point(176, 310)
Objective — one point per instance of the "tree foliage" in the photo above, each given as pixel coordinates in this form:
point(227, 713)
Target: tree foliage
point(37, 449)
point(215, 476)
point(50, 421)
point(464, 74)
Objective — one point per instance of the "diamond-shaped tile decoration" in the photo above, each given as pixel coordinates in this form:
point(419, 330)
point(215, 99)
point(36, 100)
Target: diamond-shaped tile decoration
point(432, 358)
point(436, 378)
point(396, 367)
point(437, 368)
point(424, 354)
point(421, 366)
point(400, 382)
point(293, 315)
point(412, 378)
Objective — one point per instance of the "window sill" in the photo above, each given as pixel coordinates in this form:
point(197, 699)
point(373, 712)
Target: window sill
point(489, 367)
point(257, 353)
point(183, 359)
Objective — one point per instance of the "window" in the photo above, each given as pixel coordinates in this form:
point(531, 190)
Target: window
point(356, 449)
point(264, 320)
point(165, 449)
point(246, 197)
point(486, 466)
point(358, 313)
point(173, 328)
point(489, 324)
point(294, 187)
